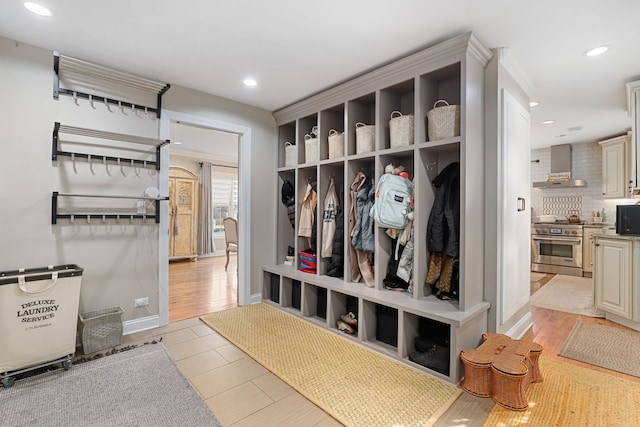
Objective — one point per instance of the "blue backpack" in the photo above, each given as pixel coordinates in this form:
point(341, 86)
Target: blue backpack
point(391, 204)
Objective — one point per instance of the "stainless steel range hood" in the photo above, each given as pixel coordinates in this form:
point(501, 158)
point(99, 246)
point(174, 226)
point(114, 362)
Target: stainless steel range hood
point(560, 174)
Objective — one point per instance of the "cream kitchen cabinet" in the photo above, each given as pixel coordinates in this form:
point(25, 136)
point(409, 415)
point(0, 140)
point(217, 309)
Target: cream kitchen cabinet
point(633, 106)
point(617, 275)
point(587, 249)
point(616, 167)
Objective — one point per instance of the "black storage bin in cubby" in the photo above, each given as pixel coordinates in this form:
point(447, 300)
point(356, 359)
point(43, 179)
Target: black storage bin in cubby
point(352, 305)
point(434, 330)
point(275, 288)
point(321, 308)
point(387, 325)
point(296, 290)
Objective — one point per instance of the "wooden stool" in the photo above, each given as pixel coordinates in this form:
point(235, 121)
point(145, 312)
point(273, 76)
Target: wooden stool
point(503, 369)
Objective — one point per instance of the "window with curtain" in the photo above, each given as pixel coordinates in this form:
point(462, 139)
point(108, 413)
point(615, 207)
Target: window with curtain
point(224, 200)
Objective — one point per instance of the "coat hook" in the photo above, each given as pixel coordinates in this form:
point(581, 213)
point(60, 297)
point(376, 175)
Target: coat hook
point(118, 218)
point(122, 108)
point(88, 219)
point(106, 104)
point(75, 97)
point(91, 101)
point(104, 218)
point(72, 218)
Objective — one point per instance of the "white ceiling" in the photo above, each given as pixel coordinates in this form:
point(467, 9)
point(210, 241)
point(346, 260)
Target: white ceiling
point(295, 48)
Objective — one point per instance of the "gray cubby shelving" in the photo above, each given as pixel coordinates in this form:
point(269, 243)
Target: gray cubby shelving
point(389, 321)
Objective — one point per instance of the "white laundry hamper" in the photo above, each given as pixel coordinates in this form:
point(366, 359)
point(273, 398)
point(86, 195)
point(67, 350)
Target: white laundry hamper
point(39, 317)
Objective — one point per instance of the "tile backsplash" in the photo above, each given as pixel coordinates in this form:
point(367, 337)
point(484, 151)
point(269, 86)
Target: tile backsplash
point(586, 163)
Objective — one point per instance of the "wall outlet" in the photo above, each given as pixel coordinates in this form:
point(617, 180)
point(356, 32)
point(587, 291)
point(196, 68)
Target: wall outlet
point(141, 302)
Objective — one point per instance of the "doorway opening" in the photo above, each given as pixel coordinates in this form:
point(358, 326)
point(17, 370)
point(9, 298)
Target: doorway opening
point(195, 280)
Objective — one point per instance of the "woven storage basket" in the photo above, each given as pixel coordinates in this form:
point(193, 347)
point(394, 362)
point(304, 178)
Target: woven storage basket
point(336, 144)
point(401, 129)
point(310, 149)
point(290, 154)
point(101, 329)
point(365, 138)
point(443, 122)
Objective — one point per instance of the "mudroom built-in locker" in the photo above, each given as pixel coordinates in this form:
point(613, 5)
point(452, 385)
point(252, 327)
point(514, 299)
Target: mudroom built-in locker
point(392, 322)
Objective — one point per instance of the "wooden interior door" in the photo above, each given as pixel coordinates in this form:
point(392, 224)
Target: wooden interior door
point(183, 199)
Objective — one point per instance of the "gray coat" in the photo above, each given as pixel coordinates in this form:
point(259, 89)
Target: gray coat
point(362, 237)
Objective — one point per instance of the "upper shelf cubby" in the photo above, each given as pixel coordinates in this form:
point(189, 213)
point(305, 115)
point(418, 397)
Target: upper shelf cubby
point(399, 97)
point(98, 83)
point(83, 137)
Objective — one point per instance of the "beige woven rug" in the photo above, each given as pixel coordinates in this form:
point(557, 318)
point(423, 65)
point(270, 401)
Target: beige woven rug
point(604, 346)
point(356, 386)
point(570, 294)
point(574, 396)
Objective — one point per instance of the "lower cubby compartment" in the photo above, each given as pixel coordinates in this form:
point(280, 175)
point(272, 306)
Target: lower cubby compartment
point(428, 343)
point(271, 287)
point(291, 293)
point(315, 302)
point(344, 313)
point(380, 326)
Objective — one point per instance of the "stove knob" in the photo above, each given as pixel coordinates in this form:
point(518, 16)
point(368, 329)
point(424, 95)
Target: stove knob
point(574, 232)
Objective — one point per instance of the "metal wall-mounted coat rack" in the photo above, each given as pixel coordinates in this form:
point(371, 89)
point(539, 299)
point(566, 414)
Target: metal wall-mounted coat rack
point(55, 215)
point(88, 72)
point(72, 130)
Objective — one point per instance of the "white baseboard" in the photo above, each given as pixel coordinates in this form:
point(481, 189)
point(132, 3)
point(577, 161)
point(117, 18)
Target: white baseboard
point(141, 324)
point(255, 298)
point(518, 330)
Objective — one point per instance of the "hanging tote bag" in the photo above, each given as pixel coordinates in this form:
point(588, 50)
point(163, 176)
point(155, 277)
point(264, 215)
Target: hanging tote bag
point(39, 309)
point(329, 220)
point(400, 129)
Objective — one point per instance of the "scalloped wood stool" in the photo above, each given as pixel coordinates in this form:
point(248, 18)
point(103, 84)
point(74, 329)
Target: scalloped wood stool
point(503, 369)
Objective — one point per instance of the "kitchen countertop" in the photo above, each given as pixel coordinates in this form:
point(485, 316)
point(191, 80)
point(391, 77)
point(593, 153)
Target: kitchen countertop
point(613, 235)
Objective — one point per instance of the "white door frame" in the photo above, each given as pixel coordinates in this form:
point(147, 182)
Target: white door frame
point(244, 211)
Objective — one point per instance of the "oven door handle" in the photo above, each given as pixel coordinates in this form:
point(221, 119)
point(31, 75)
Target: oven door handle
point(557, 239)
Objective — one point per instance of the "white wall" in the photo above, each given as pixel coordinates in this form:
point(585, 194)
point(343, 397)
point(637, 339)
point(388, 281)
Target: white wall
point(120, 260)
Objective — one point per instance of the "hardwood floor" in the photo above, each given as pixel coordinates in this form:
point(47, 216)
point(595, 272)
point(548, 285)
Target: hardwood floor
point(201, 287)
point(551, 329)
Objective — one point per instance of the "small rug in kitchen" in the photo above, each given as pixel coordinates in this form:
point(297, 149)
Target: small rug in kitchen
point(570, 294)
point(353, 384)
point(605, 346)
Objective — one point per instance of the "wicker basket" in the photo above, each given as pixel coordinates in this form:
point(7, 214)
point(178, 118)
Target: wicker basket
point(443, 122)
point(290, 154)
point(336, 144)
point(310, 149)
point(401, 129)
point(365, 138)
point(101, 329)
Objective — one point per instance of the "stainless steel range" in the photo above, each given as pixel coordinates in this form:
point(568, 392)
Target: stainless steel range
point(556, 248)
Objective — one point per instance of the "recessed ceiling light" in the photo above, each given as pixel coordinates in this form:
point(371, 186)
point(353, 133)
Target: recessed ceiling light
point(534, 104)
point(38, 9)
point(177, 143)
point(597, 51)
point(250, 82)
point(548, 122)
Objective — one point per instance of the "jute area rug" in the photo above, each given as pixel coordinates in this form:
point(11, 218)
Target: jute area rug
point(139, 387)
point(574, 396)
point(604, 346)
point(570, 294)
point(355, 385)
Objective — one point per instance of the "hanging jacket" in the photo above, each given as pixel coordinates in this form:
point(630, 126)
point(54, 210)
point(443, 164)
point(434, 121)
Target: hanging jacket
point(358, 181)
point(362, 237)
point(336, 266)
point(443, 227)
point(307, 213)
point(289, 200)
point(329, 220)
